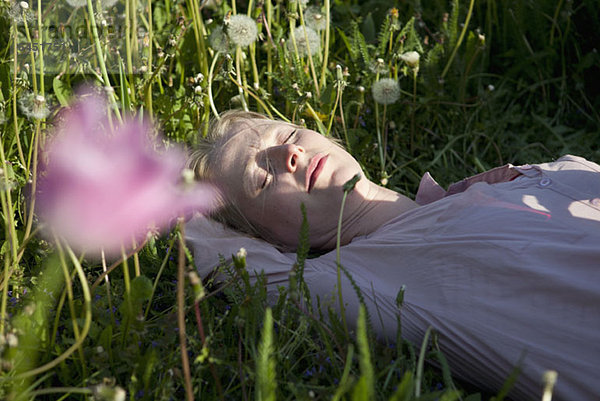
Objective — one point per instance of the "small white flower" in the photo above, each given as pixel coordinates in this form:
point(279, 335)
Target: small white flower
point(411, 59)
point(242, 30)
point(301, 41)
point(386, 91)
point(491, 87)
point(242, 253)
point(12, 340)
point(198, 90)
point(218, 40)
point(314, 18)
point(102, 392)
point(24, 5)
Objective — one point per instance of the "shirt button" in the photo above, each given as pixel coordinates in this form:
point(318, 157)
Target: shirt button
point(596, 201)
point(544, 182)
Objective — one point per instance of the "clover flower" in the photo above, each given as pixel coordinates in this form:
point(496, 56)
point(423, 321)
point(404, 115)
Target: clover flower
point(301, 42)
point(242, 30)
point(103, 187)
point(411, 59)
point(34, 106)
point(218, 40)
point(386, 91)
point(314, 18)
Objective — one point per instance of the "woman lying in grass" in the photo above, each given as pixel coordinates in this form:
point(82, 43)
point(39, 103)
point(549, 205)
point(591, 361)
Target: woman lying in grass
point(505, 265)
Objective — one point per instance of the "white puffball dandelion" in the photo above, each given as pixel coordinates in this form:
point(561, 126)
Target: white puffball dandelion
point(315, 19)
point(411, 59)
point(386, 91)
point(34, 106)
point(77, 3)
point(218, 40)
point(301, 41)
point(20, 12)
point(242, 30)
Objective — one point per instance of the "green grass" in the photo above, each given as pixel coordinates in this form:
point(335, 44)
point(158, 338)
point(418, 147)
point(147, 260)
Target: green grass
point(517, 84)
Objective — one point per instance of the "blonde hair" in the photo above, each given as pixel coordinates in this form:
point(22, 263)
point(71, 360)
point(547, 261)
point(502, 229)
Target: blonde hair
point(203, 160)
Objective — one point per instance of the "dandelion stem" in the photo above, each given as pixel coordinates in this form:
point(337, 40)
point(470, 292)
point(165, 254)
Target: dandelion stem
point(308, 53)
point(14, 97)
point(326, 50)
point(100, 56)
point(181, 313)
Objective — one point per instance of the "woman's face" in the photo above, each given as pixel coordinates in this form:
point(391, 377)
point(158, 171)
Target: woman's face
point(268, 168)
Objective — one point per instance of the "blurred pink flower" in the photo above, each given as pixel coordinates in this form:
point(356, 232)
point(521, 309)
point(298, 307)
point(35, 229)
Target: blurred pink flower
point(103, 188)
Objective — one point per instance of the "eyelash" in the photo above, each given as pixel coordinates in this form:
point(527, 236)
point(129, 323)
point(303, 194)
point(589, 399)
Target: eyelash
point(270, 172)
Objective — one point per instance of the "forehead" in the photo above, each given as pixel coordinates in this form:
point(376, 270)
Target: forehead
point(241, 141)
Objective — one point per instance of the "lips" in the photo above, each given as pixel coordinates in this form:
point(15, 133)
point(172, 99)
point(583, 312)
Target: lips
point(314, 169)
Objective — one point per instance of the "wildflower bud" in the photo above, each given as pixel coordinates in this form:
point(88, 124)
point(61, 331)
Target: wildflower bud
point(481, 38)
point(197, 286)
point(208, 21)
point(143, 69)
point(103, 22)
point(256, 86)
point(199, 77)
point(361, 89)
point(491, 87)
point(311, 394)
point(295, 86)
point(188, 176)
point(308, 95)
point(379, 60)
point(172, 42)
point(392, 125)
point(102, 392)
point(198, 90)
point(384, 181)
point(24, 5)
point(549, 379)
point(400, 296)
point(411, 59)
point(338, 71)
point(239, 259)
point(346, 72)
point(12, 340)
point(99, 349)
point(351, 183)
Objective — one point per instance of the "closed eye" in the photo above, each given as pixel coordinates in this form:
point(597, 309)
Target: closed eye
point(270, 173)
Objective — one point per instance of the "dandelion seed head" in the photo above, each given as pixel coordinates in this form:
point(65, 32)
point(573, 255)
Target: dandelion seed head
point(411, 59)
point(242, 30)
point(301, 41)
point(19, 12)
point(379, 67)
point(34, 106)
point(218, 40)
point(386, 91)
point(314, 18)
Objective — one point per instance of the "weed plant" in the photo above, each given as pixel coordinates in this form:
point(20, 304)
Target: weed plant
point(451, 87)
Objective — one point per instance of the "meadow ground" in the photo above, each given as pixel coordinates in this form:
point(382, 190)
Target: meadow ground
point(450, 87)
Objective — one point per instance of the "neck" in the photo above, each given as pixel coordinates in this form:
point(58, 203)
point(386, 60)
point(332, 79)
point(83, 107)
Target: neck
point(367, 208)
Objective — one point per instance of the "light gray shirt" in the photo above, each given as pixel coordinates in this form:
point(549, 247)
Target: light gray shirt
point(505, 266)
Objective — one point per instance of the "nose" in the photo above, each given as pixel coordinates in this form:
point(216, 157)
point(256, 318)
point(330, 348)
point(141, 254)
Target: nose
point(286, 155)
